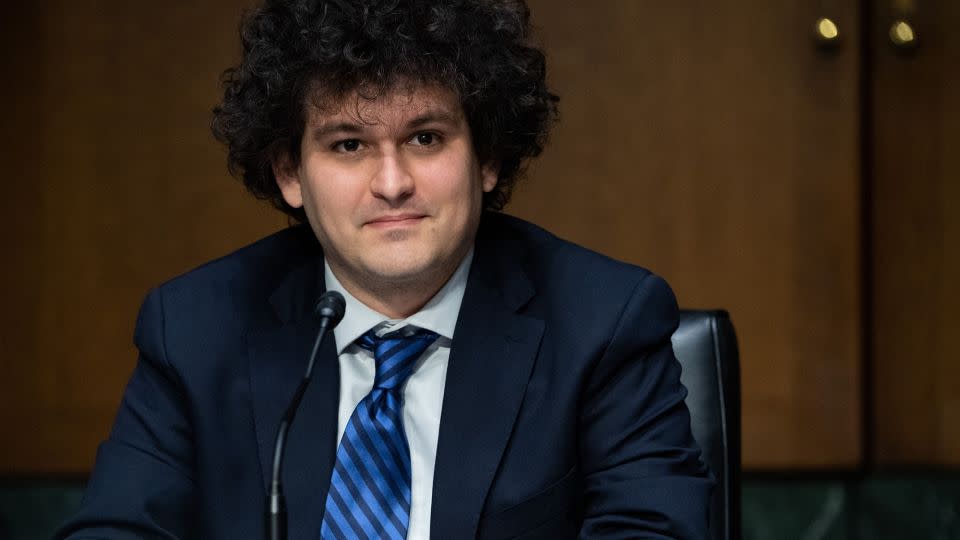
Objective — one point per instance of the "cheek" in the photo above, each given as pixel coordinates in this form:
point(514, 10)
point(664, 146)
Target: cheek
point(454, 180)
point(329, 192)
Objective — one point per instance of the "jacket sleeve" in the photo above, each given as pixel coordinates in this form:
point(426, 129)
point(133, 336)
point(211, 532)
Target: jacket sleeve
point(142, 482)
point(643, 476)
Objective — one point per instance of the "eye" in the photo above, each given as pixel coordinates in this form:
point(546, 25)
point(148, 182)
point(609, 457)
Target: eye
point(348, 145)
point(425, 139)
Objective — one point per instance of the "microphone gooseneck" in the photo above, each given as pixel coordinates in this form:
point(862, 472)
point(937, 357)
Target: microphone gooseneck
point(329, 309)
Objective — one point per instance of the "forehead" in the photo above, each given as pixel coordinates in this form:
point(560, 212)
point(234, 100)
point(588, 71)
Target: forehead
point(391, 107)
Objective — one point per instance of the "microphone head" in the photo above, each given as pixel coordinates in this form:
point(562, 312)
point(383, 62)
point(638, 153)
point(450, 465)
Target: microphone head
point(331, 306)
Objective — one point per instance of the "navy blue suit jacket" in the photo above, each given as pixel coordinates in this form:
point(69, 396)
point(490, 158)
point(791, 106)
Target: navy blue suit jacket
point(563, 412)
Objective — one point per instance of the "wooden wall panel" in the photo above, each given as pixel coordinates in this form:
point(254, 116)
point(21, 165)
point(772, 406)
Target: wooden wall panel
point(712, 143)
point(21, 278)
point(715, 144)
point(916, 211)
point(116, 186)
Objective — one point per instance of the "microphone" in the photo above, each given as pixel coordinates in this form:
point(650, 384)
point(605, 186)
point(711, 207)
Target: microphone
point(329, 309)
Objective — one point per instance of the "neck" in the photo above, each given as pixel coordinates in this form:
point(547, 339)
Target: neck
point(396, 299)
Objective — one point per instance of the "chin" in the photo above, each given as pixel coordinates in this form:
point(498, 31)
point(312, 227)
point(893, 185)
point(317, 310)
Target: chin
point(398, 271)
point(408, 267)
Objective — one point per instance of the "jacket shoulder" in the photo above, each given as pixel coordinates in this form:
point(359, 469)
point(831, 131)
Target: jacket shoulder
point(270, 256)
point(551, 259)
point(214, 299)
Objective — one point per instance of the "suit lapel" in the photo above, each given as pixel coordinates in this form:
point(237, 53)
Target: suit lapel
point(491, 360)
point(278, 350)
point(490, 363)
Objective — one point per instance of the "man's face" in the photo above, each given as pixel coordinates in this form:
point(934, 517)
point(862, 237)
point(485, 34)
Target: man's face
point(392, 188)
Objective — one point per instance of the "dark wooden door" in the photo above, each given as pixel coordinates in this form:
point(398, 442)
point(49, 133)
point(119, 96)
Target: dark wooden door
point(717, 144)
point(916, 243)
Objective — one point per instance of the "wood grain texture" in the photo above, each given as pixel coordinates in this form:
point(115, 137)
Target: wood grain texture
point(117, 185)
point(916, 208)
point(712, 143)
point(715, 144)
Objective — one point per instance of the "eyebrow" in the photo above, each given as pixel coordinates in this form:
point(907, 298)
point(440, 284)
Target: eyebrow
point(325, 130)
point(433, 117)
point(356, 128)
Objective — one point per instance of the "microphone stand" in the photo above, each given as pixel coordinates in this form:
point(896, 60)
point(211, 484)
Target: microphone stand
point(330, 308)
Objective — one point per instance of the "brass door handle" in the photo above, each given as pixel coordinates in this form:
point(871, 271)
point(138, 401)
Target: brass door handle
point(826, 31)
point(903, 35)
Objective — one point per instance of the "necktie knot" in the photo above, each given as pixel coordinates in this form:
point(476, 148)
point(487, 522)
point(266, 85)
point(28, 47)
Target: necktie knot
point(395, 353)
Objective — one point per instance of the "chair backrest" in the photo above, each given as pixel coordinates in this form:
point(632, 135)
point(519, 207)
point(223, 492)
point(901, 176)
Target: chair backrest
point(706, 346)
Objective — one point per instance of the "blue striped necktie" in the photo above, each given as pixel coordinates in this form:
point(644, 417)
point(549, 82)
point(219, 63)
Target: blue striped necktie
point(369, 493)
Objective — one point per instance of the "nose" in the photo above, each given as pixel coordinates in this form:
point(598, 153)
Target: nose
point(392, 182)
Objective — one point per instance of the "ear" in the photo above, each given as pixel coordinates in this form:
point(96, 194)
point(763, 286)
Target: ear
point(288, 180)
point(488, 176)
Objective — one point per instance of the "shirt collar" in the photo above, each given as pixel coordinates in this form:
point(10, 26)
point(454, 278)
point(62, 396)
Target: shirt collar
point(438, 315)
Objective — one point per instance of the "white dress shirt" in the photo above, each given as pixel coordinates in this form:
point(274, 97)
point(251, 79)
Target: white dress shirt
point(423, 393)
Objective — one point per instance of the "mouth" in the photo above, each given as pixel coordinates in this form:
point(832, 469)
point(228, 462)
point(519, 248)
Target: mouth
point(400, 220)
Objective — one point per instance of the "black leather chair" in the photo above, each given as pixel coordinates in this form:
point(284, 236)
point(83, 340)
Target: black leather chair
point(706, 346)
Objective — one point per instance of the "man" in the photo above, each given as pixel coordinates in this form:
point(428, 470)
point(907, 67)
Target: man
point(537, 395)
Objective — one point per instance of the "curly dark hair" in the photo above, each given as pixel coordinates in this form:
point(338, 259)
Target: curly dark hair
point(319, 51)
